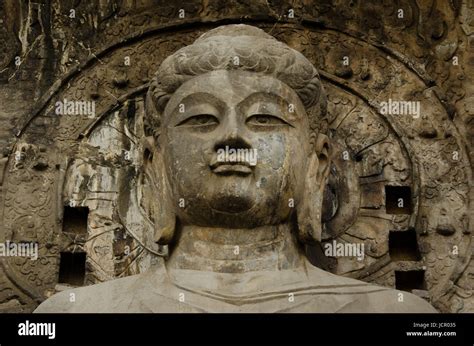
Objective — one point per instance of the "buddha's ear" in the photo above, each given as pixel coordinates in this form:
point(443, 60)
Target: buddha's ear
point(309, 211)
point(156, 192)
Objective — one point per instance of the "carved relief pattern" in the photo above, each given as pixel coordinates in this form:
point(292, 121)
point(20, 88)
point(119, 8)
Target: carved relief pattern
point(428, 153)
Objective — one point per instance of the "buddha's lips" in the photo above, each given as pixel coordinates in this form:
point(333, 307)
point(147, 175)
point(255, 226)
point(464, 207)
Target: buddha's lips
point(239, 167)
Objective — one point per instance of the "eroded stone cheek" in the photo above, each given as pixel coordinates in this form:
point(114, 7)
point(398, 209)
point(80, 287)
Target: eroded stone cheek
point(184, 147)
point(272, 151)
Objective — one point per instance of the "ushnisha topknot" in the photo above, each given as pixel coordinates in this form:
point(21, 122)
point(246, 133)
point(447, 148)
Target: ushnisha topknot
point(256, 51)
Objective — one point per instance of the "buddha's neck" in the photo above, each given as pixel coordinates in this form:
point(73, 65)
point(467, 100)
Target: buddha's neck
point(236, 250)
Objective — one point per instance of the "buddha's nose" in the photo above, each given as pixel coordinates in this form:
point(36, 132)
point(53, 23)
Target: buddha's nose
point(233, 135)
point(232, 141)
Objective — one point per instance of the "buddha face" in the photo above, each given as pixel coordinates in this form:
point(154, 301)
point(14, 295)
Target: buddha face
point(235, 146)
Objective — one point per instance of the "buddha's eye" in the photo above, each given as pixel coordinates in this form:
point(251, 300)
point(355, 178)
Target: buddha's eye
point(265, 120)
point(200, 120)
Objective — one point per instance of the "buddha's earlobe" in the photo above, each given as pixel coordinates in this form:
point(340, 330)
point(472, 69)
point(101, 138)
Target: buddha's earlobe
point(309, 211)
point(157, 193)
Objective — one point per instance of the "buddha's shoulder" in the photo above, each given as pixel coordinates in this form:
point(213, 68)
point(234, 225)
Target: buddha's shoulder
point(393, 301)
point(94, 298)
point(149, 291)
point(366, 297)
point(117, 295)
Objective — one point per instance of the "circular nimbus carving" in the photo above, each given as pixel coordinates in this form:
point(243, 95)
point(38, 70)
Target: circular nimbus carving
point(378, 160)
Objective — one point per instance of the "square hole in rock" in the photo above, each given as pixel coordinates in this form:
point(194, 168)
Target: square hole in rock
point(403, 246)
point(72, 268)
point(75, 220)
point(397, 199)
point(410, 280)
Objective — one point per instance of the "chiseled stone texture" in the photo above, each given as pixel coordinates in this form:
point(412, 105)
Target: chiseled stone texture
point(366, 53)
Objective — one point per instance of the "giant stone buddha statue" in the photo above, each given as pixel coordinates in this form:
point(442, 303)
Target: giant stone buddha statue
point(236, 227)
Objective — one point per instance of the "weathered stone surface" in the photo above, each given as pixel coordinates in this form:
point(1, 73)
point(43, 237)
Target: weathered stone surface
point(368, 54)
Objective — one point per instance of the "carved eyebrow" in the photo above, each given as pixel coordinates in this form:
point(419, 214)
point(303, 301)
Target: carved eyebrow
point(249, 100)
point(201, 97)
point(285, 114)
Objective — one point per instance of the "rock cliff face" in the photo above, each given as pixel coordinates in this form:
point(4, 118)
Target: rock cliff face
point(73, 80)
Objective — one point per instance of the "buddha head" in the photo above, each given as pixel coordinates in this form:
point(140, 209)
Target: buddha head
point(235, 126)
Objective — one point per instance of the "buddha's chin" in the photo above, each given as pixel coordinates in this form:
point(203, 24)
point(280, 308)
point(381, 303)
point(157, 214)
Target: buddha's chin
point(230, 203)
point(232, 195)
